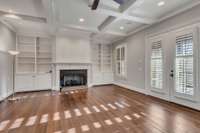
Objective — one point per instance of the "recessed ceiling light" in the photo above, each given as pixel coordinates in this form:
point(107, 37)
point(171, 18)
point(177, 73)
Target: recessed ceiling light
point(12, 16)
point(161, 3)
point(121, 28)
point(81, 19)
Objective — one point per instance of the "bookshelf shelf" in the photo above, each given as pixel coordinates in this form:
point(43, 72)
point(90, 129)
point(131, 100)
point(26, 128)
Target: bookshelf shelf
point(102, 64)
point(35, 54)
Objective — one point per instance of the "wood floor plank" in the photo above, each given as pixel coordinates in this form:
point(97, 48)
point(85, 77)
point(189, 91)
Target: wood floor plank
point(103, 109)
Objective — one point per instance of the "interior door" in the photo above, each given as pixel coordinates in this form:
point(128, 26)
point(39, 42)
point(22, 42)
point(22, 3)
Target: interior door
point(43, 81)
point(25, 82)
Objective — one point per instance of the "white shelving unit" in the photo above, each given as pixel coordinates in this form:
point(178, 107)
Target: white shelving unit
point(44, 55)
point(96, 57)
point(33, 64)
point(106, 58)
point(26, 59)
point(102, 64)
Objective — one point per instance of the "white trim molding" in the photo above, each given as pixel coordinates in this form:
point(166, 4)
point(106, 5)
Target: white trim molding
point(130, 87)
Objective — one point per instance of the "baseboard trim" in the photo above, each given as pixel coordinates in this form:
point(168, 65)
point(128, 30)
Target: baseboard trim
point(139, 90)
point(4, 97)
point(146, 92)
point(27, 91)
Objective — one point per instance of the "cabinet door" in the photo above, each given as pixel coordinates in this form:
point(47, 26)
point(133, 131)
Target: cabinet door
point(97, 79)
point(108, 78)
point(43, 81)
point(24, 83)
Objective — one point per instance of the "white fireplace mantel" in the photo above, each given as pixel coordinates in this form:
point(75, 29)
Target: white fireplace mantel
point(70, 66)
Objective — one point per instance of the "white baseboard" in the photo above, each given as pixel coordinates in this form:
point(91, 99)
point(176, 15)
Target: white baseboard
point(1, 98)
point(90, 85)
point(147, 92)
point(143, 91)
point(4, 96)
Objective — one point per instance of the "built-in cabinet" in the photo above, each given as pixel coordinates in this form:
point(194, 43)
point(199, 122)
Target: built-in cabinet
point(102, 64)
point(33, 64)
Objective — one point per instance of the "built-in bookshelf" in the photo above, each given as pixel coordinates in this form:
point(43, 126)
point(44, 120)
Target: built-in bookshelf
point(44, 55)
point(106, 58)
point(102, 64)
point(26, 59)
point(96, 57)
point(35, 54)
point(102, 58)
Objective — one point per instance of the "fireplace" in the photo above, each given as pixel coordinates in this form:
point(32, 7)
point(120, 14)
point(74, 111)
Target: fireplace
point(69, 78)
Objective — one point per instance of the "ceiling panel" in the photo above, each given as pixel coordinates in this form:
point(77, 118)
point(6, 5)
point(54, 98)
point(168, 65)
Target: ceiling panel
point(149, 8)
point(25, 7)
point(110, 3)
point(70, 11)
point(105, 38)
point(127, 25)
point(28, 26)
point(66, 14)
point(73, 33)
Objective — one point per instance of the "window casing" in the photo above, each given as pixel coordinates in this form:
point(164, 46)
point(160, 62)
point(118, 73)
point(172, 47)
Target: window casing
point(157, 65)
point(184, 65)
point(121, 61)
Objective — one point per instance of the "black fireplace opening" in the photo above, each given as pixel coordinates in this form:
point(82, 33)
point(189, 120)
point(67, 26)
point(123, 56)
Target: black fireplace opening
point(69, 78)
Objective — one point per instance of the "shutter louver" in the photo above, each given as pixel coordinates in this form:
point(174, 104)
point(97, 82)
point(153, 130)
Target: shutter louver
point(121, 61)
point(184, 65)
point(157, 66)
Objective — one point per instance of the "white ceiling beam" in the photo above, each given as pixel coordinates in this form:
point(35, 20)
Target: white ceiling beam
point(92, 30)
point(108, 21)
point(51, 14)
point(130, 5)
point(125, 16)
point(50, 10)
point(127, 5)
point(10, 26)
point(123, 13)
point(25, 17)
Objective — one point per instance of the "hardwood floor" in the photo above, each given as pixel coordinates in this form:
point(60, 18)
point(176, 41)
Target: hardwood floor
point(104, 109)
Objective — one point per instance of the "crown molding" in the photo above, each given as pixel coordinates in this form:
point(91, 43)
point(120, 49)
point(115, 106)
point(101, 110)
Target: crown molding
point(8, 25)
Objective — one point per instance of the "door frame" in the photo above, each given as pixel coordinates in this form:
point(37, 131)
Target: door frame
point(194, 32)
point(170, 96)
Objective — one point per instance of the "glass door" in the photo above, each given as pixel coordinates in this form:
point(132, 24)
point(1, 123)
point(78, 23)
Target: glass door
point(172, 72)
point(185, 65)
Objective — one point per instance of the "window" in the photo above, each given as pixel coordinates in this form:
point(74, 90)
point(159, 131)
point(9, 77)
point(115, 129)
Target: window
point(184, 65)
point(121, 61)
point(157, 66)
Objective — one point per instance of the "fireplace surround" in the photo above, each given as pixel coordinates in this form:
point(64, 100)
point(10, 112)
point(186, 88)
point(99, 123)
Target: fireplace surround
point(58, 67)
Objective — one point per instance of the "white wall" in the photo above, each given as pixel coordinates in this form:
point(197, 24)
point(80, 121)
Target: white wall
point(137, 50)
point(72, 50)
point(135, 62)
point(7, 42)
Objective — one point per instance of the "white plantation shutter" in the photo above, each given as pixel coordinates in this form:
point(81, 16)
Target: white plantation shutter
point(184, 65)
point(157, 66)
point(121, 61)
point(118, 65)
point(123, 69)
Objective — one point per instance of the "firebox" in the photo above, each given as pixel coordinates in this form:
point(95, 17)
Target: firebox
point(69, 78)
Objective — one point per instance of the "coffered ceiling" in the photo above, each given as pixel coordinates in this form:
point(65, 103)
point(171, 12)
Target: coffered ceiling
point(109, 22)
